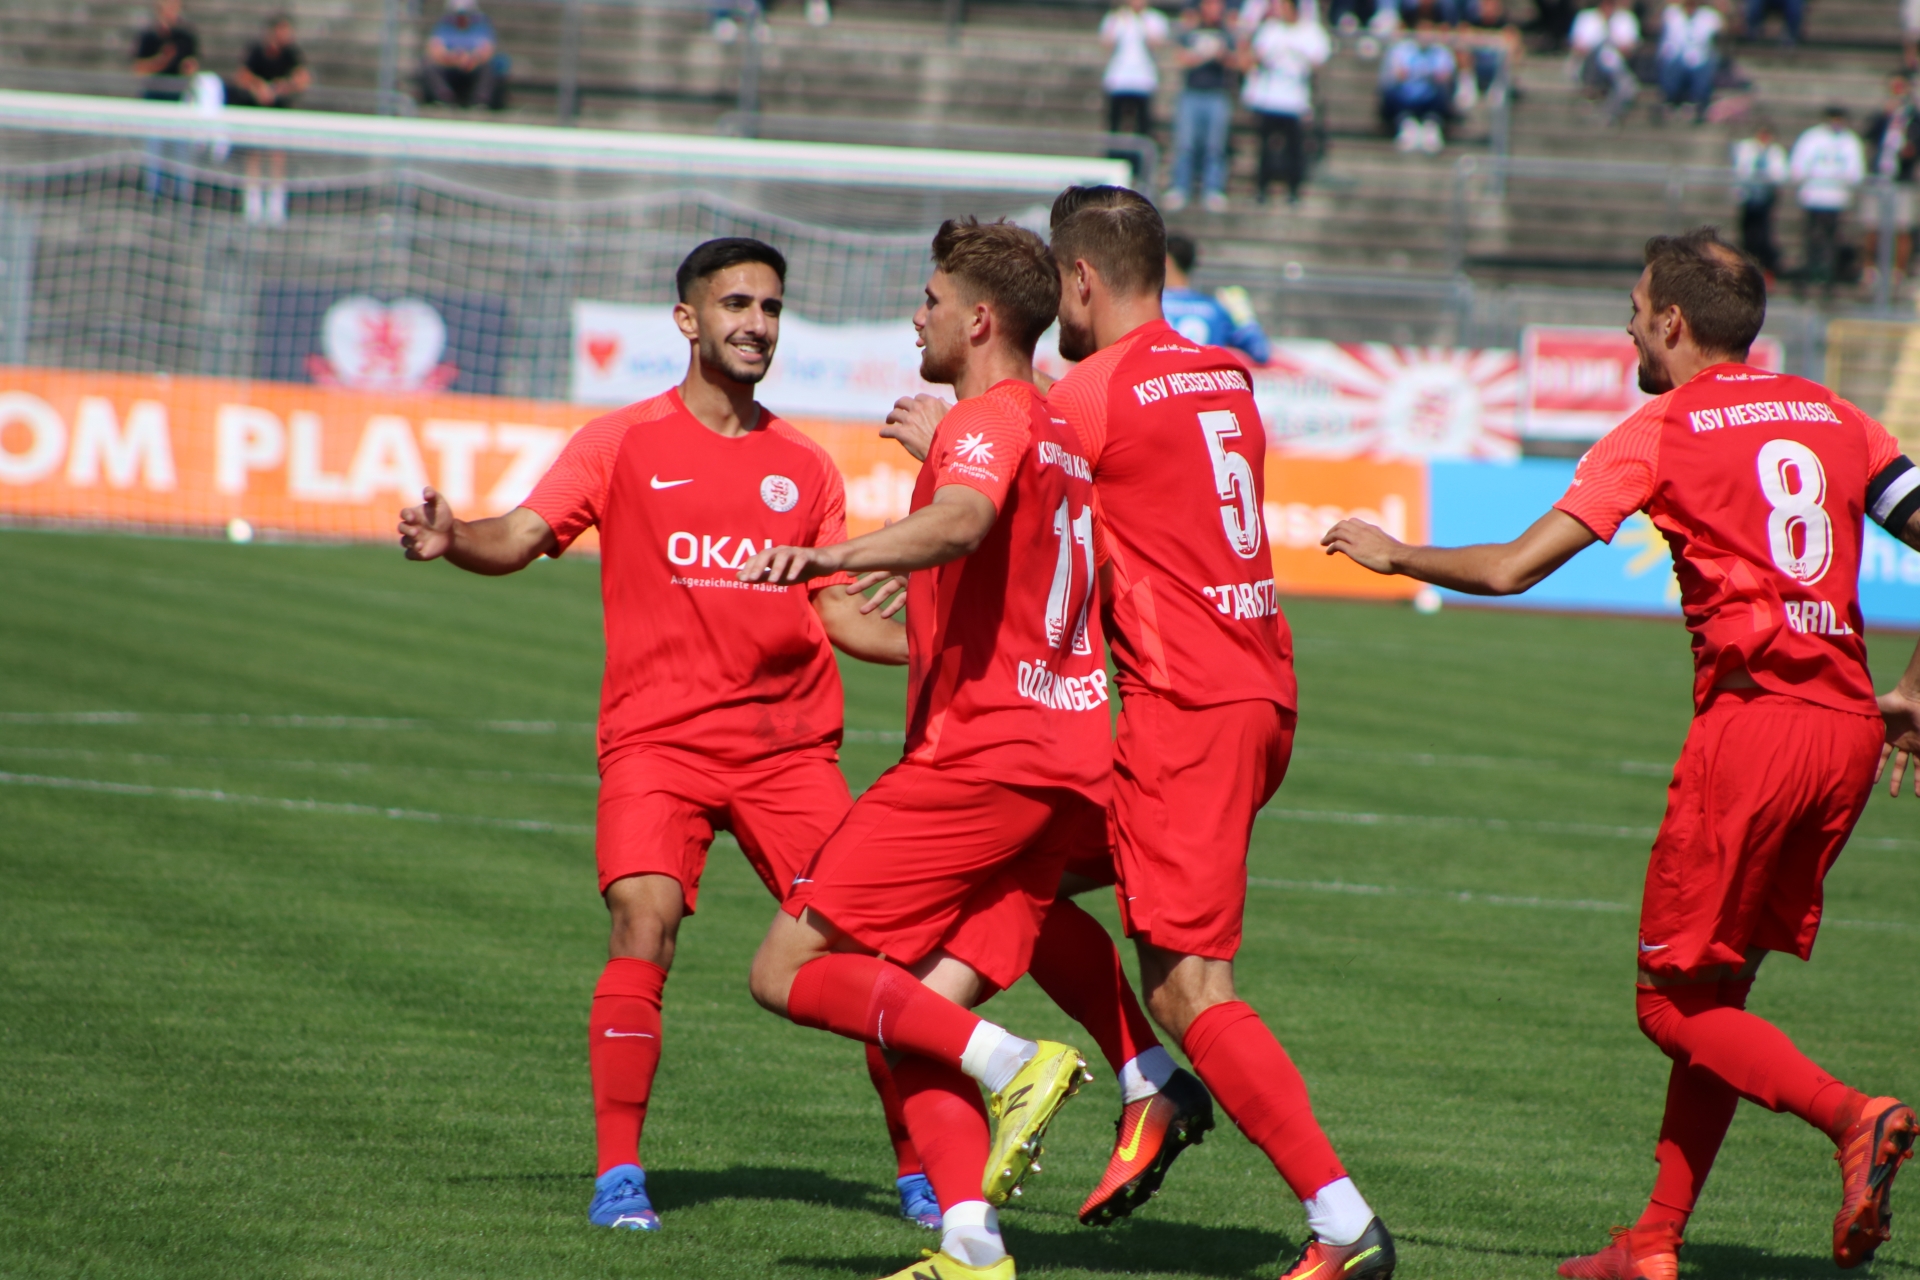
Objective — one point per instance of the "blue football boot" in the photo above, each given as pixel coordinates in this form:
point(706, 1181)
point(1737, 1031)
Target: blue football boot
point(918, 1204)
point(620, 1200)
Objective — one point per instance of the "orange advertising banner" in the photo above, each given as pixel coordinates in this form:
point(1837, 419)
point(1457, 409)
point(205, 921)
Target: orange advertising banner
point(1308, 496)
point(288, 459)
point(293, 460)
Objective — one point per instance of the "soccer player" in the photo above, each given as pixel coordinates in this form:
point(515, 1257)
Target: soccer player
point(1759, 482)
point(721, 705)
point(1205, 662)
point(930, 895)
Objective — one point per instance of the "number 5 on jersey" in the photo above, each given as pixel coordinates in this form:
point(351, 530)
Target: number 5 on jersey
point(1233, 480)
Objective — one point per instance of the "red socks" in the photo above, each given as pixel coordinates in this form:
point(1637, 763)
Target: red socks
point(949, 1124)
point(1704, 1026)
point(623, 1049)
point(1700, 1106)
point(904, 1155)
point(1258, 1085)
point(1075, 963)
point(866, 998)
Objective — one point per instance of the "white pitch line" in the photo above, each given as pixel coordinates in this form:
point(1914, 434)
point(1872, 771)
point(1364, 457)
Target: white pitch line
point(1446, 822)
point(332, 807)
point(1343, 818)
point(376, 724)
point(339, 768)
point(1469, 897)
point(1432, 760)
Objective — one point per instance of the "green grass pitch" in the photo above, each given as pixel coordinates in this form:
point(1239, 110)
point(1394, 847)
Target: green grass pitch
point(274, 1002)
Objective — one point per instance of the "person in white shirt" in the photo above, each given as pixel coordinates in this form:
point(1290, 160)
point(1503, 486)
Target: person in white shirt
point(1132, 30)
point(1603, 40)
point(1759, 171)
point(1828, 162)
point(1689, 54)
point(1286, 49)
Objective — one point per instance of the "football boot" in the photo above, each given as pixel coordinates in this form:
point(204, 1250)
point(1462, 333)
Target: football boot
point(1874, 1148)
point(620, 1200)
point(918, 1204)
point(1368, 1258)
point(1149, 1134)
point(940, 1265)
point(1632, 1254)
point(1021, 1112)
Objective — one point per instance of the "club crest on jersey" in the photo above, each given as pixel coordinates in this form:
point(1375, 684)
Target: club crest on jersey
point(974, 449)
point(779, 493)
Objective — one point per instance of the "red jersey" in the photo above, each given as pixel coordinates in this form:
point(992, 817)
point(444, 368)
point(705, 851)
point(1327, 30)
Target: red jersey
point(1006, 681)
point(1759, 482)
point(697, 659)
point(1179, 473)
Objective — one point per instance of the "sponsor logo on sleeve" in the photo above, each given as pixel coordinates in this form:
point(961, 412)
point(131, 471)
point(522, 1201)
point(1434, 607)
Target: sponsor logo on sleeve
point(975, 449)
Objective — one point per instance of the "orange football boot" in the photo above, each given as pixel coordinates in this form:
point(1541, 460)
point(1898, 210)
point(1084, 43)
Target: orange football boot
point(1634, 1254)
point(1875, 1147)
point(1148, 1135)
point(1368, 1258)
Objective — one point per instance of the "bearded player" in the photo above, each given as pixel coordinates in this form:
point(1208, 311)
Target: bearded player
point(1760, 482)
point(930, 895)
point(721, 704)
point(1205, 662)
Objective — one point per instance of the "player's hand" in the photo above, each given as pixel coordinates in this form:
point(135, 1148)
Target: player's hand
point(426, 531)
point(912, 423)
point(1365, 544)
point(786, 565)
point(1902, 716)
point(889, 599)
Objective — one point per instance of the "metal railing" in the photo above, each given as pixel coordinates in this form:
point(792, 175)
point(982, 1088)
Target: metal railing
point(1141, 152)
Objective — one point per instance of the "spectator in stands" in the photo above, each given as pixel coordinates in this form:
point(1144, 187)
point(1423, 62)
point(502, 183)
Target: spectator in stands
point(1491, 35)
point(1133, 30)
point(1416, 88)
point(1759, 170)
point(274, 72)
point(463, 63)
point(1792, 12)
point(1828, 163)
point(1224, 320)
point(1286, 49)
point(1604, 40)
point(1689, 55)
point(168, 47)
point(1910, 34)
point(1208, 50)
point(1891, 145)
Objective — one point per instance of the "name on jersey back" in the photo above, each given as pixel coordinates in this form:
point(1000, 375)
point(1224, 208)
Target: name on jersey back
point(1190, 382)
point(1758, 412)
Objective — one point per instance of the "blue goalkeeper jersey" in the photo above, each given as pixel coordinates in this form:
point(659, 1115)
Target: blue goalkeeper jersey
point(1201, 318)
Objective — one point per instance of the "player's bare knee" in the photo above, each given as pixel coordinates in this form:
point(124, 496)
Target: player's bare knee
point(644, 913)
point(789, 946)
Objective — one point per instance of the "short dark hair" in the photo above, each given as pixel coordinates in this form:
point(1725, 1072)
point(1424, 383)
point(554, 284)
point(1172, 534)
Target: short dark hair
point(1182, 250)
point(1005, 266)
point(1719, 289)
point(1118, 231)
point(728, 251)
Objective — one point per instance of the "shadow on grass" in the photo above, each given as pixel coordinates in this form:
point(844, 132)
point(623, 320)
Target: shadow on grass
point(671, 1188)
point(459, 1178)
point(1492, 1251)
point(1129, 1248)
point(1740, 1262)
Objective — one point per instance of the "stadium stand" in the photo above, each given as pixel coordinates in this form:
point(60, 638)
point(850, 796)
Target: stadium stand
point(1033, 71)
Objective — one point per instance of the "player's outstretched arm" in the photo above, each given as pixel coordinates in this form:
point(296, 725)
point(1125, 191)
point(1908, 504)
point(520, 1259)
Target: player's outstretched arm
point(496, 545)
point(1490, 569)
point(951, 526)
point(858, 631)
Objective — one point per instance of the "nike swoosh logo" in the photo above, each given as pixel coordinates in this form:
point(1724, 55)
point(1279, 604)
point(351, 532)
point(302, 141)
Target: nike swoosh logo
point(658, 483)
point(1644, 948)
point(611, 1034)
point(1132, 1148)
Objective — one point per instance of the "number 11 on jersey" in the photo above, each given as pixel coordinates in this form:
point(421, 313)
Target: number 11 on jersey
point(1070, 529)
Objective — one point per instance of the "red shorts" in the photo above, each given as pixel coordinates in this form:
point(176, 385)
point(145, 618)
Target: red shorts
point(926, 861)
point(1766, 791)
point(1186, 787)
point(659, 808)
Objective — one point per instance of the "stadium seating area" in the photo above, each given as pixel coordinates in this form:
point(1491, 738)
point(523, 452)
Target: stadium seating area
point(1037, 67)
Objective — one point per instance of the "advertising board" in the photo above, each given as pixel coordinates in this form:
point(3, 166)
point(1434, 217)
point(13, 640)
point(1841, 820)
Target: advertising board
point(1579, 381)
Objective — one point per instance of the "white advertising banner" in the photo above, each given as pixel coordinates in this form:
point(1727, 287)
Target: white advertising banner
point(623, 353)
point(1319, 399)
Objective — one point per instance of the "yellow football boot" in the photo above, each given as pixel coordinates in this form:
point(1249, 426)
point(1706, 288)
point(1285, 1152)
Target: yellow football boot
point(944, 1266)
point(1021, 1112)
